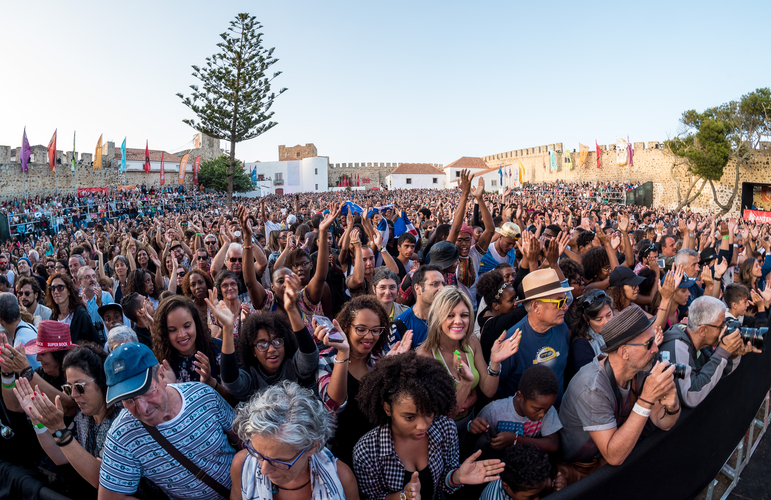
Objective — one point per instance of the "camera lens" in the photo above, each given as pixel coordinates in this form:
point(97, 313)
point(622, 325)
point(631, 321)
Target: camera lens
point(754, 336)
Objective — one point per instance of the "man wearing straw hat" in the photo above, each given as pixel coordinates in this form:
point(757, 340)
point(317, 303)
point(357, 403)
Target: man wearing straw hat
point(545, 337)
point(610, 400)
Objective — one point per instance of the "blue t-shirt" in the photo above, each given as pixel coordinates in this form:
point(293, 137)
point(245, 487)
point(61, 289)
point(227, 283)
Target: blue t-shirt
point(549, 348)
point(492, 259)
point(198, 431)
point(404, 322)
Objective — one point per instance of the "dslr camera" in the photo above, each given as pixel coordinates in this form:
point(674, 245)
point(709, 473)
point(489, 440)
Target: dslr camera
point(752, 335)
point(679, 369)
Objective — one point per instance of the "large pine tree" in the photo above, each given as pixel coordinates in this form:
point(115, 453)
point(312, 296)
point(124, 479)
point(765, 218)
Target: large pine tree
point(235, 97)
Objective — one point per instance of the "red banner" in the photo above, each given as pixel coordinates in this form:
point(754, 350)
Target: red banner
point(182, 168)
point(147, 156)
point(365, 180)
point(86, 191)
point(52, 152)
point(127, 188)
point(599, 155)
point(195, 170)
point(757, 216)
point(163, 178)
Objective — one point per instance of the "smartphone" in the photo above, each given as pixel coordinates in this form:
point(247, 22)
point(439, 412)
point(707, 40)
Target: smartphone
point(334, 334)
point(660, 262)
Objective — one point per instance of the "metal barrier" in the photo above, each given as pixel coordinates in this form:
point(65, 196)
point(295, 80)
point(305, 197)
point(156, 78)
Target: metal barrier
point(742, 458)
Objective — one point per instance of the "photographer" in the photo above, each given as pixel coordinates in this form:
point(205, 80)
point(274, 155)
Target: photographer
point(691, 344)
point(609, 401)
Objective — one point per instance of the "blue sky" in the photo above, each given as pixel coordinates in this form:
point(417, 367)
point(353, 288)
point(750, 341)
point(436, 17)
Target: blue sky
point(384, 81)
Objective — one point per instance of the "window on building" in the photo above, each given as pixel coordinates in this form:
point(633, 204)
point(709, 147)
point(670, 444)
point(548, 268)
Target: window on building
point(298, 154)
point(457, 174)
point(317, 171)
point(317, 187)
point(409, 181)
point(495, 183)
point(435, 180)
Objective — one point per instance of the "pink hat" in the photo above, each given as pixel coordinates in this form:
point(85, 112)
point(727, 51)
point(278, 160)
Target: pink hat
point(51, 336)
point(466, 229)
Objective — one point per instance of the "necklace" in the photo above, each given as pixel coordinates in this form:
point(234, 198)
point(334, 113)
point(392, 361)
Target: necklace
point(275, 487)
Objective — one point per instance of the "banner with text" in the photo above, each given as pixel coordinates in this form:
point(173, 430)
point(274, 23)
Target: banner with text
point(757, 216)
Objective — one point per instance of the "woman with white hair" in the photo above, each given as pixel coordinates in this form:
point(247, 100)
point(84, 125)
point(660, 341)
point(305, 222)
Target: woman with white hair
point(284, 429)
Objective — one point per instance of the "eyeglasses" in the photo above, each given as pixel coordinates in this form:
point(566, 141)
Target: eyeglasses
point(435, 284)
point(463, 240)
point(226, 286)
point(80, 387)
point(579, 281)
point(362, 330)
point(144, 396)
point(211, 242)
point(203, 257)
point(278, 464)
point(26, 293)
point(560, 302)
point(50, 266)
point(235, 259)
point(60, 268)
point(720, 326)
point(265, 344)
point(386, 288)
point(647, 344)
point(302, 264)
point(58, 288)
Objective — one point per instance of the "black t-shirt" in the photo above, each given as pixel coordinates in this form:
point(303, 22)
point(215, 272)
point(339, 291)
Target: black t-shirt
point(144, 335)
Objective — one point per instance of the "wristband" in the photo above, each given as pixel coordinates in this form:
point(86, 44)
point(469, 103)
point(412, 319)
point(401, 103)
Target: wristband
point(643, 412)
point(40, 428)
point(493, 373)
point(341, 362)
point(248, 247)
point(8, 383)
point(198, 234)
point(450, 484)
point(725, 237)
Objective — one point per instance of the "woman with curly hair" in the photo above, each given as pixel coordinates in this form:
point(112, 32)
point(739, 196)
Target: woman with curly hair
point(67, 307)
point(451, 342)
point(413, 452)
point(284, 429)
point(347, 359)
point(196, 286)
point(120, 267)
point(270, 350)
point(141, 281)
point(182, 343)
point(500, 309)
point(597, 267)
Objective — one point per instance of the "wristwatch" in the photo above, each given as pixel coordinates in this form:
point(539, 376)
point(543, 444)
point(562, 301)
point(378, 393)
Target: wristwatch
point(63, 437)
point(27, 373)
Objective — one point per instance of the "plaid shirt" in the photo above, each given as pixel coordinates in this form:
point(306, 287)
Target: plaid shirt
point(380, 472)
point(324, 375)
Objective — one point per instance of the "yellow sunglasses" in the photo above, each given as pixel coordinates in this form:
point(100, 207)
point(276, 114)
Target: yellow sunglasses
point(560, 302)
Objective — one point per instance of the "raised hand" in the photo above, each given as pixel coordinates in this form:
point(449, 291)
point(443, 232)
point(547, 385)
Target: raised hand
point(292, 289)
point(504, 348)
point(203, 368)
point(721, 267)
point(667, 290)
point(601, 234)
point(465, 182)
point(477, 193)
point(321, 333)
point(473, 471)
point(623, 223)
point(45, 411)
point(220, 310)
point(403, 345)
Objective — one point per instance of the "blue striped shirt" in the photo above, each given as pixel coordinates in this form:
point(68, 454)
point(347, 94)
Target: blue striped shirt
point(198, 431)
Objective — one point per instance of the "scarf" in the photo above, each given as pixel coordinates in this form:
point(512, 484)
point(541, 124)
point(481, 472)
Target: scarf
point(325, 483)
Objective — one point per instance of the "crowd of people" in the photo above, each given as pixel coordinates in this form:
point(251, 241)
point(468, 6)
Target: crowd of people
point(381, 345)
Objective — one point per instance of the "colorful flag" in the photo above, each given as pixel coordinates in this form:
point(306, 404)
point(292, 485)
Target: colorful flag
point(353, 207)
point(599, 155)
point(403, 225)
point(52, 152)
point(568, 161)
point(382, 228)
point(500, 173)
point(583, 150)
point(123, 156)
point(622, 155)
point(631, 152)
point(182, 168)
point(163, 172)
point(553, 159)
point(98, 155)
point(198, 163)
point(74, 160)
point(147, 157)
point(24, 152)
point(521, 173)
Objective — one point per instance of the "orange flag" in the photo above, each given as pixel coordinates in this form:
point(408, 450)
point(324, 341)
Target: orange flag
point(182, 168)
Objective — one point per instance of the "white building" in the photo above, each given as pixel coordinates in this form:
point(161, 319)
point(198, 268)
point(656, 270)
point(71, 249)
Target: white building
point(416, 176)
point(309, 175)
point(478, 168)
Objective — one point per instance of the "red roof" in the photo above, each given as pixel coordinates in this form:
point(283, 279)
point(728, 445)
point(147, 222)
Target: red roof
point(417, 168)
point(468, 162)
point(155, 155)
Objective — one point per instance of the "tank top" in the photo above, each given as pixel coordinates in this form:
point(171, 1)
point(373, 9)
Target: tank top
point(470, 357)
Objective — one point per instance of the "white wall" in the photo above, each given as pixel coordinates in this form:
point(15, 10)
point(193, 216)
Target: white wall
point(419, 181)
point(155, 166)
point(492, 180)
point(312, 175)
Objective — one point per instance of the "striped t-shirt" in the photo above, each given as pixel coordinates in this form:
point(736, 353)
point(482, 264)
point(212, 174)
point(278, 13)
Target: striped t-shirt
point(198, 431)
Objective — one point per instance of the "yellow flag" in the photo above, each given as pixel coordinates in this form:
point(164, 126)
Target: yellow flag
point(583, 154)
point(98, 155)
point(521, 173)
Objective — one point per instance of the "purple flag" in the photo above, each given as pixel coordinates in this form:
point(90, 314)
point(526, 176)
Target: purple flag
point(631, 152)
point(25, 152)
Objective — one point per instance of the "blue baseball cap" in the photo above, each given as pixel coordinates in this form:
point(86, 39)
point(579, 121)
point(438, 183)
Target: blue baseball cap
point(129, 371)
point(687, 282)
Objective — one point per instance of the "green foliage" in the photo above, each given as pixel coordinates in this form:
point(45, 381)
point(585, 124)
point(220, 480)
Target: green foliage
point(707, 151)
point(213, 174)
point(235, 97)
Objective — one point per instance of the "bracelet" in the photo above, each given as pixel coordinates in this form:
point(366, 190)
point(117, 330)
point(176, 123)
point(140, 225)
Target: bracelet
point(248, 247)
point(644, 401)
point(341, 362)
point(8, 383)
point(450, 484)
point(666, 410)
point(643, 412)
point(40, 428)
point(516, 436)
point(493, 373)
point(725, 237)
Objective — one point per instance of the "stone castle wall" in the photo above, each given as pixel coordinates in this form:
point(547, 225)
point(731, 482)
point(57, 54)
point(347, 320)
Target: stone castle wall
point(297, 152)
point(651, 163)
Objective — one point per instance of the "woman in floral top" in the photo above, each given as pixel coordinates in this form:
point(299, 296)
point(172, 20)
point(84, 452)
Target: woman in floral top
point(183, 344)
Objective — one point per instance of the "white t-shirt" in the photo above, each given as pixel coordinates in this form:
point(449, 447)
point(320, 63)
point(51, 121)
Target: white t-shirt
point(502, 417)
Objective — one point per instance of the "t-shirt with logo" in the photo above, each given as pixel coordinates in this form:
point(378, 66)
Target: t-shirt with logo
point(402, 324)
point(502, 417)
point(549, 348)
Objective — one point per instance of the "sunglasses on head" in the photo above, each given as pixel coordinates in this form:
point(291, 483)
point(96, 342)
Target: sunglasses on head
point(80, 387)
